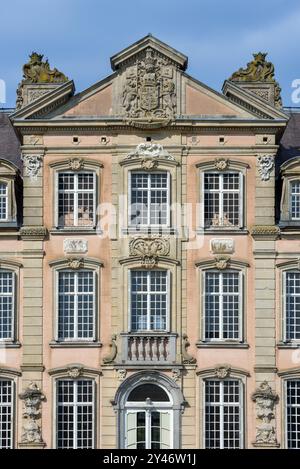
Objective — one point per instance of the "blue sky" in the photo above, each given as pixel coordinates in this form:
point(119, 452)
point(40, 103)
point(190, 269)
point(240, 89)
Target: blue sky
point(218, 36)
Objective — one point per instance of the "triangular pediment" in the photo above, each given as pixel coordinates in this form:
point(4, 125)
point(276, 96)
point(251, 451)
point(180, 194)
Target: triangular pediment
point(130, 53)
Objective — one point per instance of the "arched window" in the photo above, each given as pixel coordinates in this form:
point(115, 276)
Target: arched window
point(149, 408)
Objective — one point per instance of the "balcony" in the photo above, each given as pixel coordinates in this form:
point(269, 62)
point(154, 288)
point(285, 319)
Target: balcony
point(148, 348)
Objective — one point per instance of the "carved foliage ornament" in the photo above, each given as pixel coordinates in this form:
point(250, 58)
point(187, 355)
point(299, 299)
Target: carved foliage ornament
point(222, 371)
point(76, 164)
point(149, 87)
point(150, 150)
point(221, 164)
point(265, 399)
point(75, 245)
point(32, 397)
point(265, 166)
point(149, 250)
point(222, 263)
point(75, 263)
point(75, 371)
point(32, 165)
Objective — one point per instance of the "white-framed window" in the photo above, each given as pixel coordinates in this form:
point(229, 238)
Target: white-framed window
point(223, 199)
point(75, 414)
point(149, 419)
point(6, 413)
point(291, 296)
point(149, 300)
point(295, 200)
point(76, 199)
point(76, 305)
point(3, 201)
point(7, 305)
point(223, 305)
point(223, 420)
point(149, 198)
point(292, 397)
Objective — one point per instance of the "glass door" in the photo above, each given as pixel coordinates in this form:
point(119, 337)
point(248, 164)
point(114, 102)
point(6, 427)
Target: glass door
point(148, 429)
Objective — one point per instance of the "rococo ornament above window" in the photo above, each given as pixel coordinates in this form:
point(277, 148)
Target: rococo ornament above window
point(222, 263)
point(221, 164)
point(149, 250)
point(76, 164)
point(152, 150)
point(265, 166)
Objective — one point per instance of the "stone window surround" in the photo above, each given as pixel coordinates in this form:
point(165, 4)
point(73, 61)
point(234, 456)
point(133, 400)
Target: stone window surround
point(285, 375)
point(13, 375)
point(169, 166)
point(290, 172)
point(56, 167)
point(210, 373)
point(287, 266)
point(149, 377)
point(8, 174)
point(14, 267)
point(210, 166)
point(209, 265)
point(63, 264)
point(84, 372)
point(169, 265)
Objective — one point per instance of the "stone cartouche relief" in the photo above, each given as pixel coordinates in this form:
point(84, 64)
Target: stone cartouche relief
point(149, 87)
point(149, 250)
point(222, 246)
point(32, 398)
point(73, 246)
point(265, 166)
point(149, 155)
point(32, 165)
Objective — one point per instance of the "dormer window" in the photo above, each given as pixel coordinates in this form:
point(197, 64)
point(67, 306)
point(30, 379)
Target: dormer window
point(295, 200)
point(3, 201)
point(290, 198)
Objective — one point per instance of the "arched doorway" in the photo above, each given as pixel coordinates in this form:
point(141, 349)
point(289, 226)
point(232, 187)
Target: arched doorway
point(149, 409)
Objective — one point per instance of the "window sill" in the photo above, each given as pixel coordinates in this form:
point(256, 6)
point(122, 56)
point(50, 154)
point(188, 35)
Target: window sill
point(9, 224)
point(222, 231)
point(288, 345)
point(75, 231)
point(9, 344)
point(75, 344)
point(240, 345)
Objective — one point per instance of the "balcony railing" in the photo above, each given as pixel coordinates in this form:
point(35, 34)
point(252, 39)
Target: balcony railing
point(149, 348)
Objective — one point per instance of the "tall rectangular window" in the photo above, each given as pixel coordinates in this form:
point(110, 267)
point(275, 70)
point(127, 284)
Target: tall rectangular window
point(149, 300)
point(6, 305)
point(76, 199)
point(223, 305)
point(75, 414)
point(76, 305)
point(6, 414)
point(295, 200)
point(3, 201)
point(223, 414)
point(222, 200)
point(292, 306)
point(149, 199)
point(293, 413)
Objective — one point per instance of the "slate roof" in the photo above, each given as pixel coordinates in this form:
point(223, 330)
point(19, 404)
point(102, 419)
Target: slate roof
point(9, 143)
point(290, 141)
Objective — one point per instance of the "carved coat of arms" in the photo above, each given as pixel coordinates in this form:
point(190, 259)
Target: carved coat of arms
point(149, 89)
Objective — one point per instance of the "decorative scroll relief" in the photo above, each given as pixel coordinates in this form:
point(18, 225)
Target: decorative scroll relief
point(187, 358)
point(110, 358)
point(32, 398)
point(74, 263)
point(76, 164)
point(150, 150)
point(73, 246)
point(221, 164)
point(121, 374)
point(149, 250)
point(149, 87)
point(75, 371)
point(265, 166)
point(222, 371)
point(222, 246)
point(32, 166)
point(222, 263)
point(265, 399)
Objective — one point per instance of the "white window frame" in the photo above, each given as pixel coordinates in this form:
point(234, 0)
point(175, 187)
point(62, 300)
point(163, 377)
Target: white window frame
point(284, 308)
point(75, 404)
point(168, 302)
point(241, 200)
point(95, 296)
point(291, 182)
point(221, 405)
point(13, 310)
point(285, 408)
point(241, 306)
point(155, 407)
point(12, 409)
point(168, 189)
point(6, 201)
point(75, 192)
